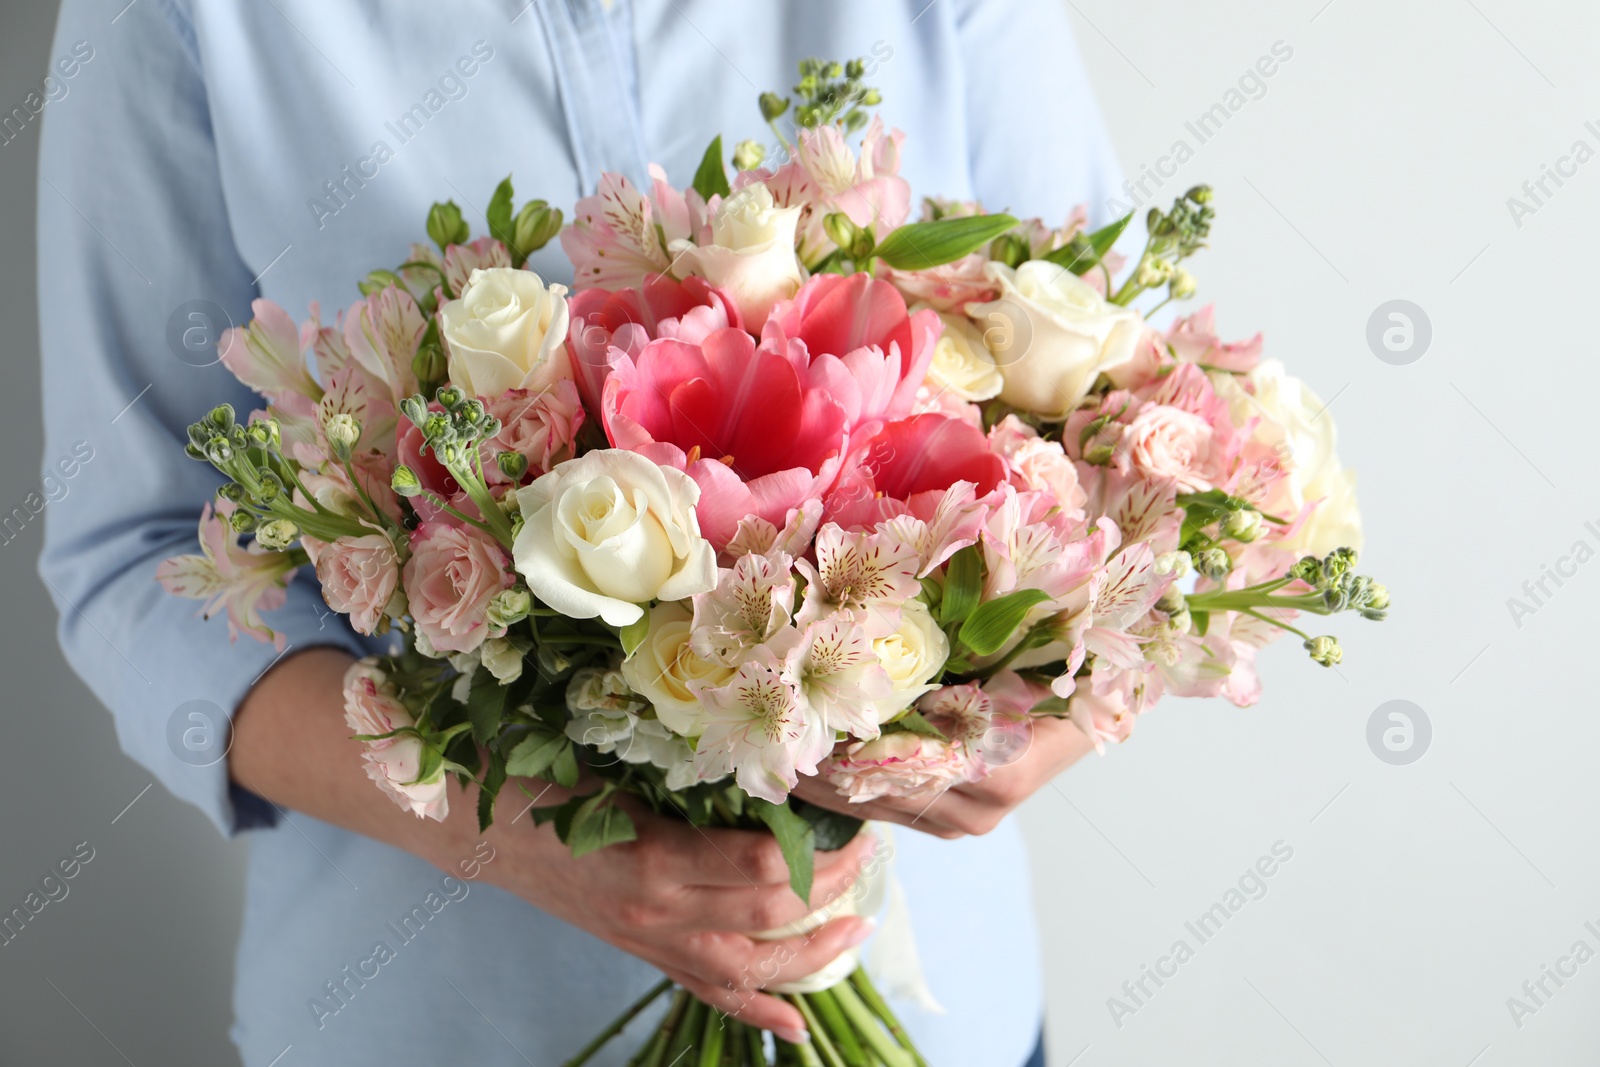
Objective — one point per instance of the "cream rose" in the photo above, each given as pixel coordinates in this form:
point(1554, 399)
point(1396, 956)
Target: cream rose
point(912, 655)
point(1051, 334)
point(506, 331)
point(962, 364)
point(667, 671)
point(609, 531)
point(752, 253)
point(1296, 425)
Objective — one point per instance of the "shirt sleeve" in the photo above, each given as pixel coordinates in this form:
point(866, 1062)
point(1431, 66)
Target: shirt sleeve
point(138, 274)
point(1037, 143)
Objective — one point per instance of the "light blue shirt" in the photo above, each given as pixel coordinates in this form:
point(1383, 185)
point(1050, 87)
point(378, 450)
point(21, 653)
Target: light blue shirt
point(210, 152)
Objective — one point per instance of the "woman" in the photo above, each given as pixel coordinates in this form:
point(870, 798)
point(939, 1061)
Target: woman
point(214, 152)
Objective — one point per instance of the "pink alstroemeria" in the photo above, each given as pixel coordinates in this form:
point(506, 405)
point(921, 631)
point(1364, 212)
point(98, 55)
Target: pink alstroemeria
point(758, 729)
point(750, 605)
point(619, 235)
point(869, 574)
point(868, 187)
point(837, 675)
point(265, 354)
point(245, 581)
point(461, 260)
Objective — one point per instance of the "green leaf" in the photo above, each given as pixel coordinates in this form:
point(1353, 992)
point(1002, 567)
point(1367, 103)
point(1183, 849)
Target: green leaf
point(920, 245)
point(533, 756)
point(1083, 254)
point(565, 766)
point(634, 633)
point(710, 179)
point(963, 584)
point(561, 815)
point(486, 702)
point(912, 722)
point(1200, 622)
point(991, 625)
point(833, 830)
point(499, 213)
point(598, 822)
point(493, 779)
point(796, 838)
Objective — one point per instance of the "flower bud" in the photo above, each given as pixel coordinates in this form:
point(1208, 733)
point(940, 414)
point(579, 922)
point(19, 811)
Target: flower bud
point(1200, 194)
point(269, 489)
point(1307, 569)
point(449, 397)
point(747, 155)
point(416, 409)
point(428, 364)
point(342, 431)
point(1177, 564)
point(553, 663)
point(405, 482)
point(509, 606)
point(1153, 272)
point(1010, 249)
point(840, 230)
point(241, 521)
point(534, 227)
point(1378, 597)
point(1325, 650)
point(436, 427)
point(1213, 563)
point(446, 226)
point(1183, 284)
point(772, 106)
point(1100, 455)
point(1172, 601)
point(377, 281)
point(1339, 562)
point(277, 534)
point(1243, 526)
point(512, 464)
point(220, 418)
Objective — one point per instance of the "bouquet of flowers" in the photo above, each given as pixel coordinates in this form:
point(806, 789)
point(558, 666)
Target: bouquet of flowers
point(788, 485)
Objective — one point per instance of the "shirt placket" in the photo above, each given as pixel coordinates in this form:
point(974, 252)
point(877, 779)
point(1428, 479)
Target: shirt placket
point(597, 76)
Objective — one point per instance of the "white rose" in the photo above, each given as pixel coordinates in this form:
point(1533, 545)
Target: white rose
point(502, 658)
point(912, 655)
point(506, 331)
point(1051, 334)
point(609, 531)
point(665, 670)
point(962, 364)
point(752, 253)
point(1295, 424)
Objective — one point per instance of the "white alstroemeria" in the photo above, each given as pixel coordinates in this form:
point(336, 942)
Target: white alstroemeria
point(758, 730)
point(752, 602)
point(836, 672)
point(870, 574)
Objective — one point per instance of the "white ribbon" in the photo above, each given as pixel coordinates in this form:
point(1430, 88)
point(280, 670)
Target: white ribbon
point(894, 961)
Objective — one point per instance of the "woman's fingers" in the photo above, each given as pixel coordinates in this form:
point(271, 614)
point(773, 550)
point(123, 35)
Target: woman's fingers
point(757, 1009)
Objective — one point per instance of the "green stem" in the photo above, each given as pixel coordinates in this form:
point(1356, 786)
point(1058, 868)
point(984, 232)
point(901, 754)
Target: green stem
point(756, 1052)
point(619, 1023)
point(711, 1038)
point(868, 1026)
point(828, 1010)
point(693, 1022)
point(869, 993)
point(440, 503)
point(819, 1037)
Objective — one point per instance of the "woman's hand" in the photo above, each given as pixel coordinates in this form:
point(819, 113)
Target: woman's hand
point(971, 807)
point(686, 900)
point(683, 899)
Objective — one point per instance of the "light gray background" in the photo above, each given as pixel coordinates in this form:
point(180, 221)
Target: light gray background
point(1376, 166)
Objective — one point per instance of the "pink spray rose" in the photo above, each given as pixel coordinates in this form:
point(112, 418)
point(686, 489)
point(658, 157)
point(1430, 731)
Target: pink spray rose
point(372, 707)
point(453, 573)
point(359, 576)
point(895, 765)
